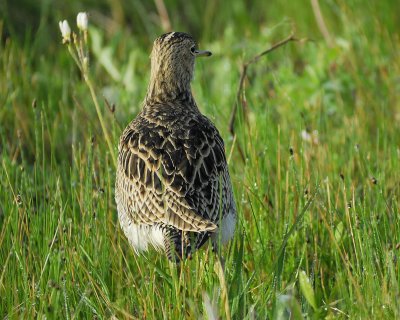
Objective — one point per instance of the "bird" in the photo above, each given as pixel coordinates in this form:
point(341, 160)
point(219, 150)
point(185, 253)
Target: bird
point(173, 189)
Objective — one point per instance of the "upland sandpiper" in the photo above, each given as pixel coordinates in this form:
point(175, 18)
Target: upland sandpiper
point(173, 189)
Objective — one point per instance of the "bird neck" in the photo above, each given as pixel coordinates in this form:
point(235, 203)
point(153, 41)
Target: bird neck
point(163, 90)
point(169, 83)
point(168, 89)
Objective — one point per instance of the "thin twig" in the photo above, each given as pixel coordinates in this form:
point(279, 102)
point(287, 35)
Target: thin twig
point(111, 107)
point(243, 74)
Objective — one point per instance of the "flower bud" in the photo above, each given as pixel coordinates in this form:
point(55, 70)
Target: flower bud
point(65, 30)
point(82, 21)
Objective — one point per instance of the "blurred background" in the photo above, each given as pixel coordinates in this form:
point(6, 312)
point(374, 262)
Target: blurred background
point(207, 20)
point(341, 37)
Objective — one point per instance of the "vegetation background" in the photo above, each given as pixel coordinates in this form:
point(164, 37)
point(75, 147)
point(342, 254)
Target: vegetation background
point(317, 183)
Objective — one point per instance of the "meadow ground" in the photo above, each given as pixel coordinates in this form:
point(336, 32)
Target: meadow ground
point(315, 162)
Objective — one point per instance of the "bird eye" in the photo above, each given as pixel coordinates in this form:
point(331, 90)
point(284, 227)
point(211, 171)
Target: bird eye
point(193, 49)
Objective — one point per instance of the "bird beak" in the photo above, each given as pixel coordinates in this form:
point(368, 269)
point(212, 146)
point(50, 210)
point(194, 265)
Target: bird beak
point(202, 53)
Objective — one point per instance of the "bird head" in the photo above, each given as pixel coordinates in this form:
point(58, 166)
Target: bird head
point(172, 61)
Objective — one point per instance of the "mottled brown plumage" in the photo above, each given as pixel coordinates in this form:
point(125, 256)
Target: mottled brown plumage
point(173, 189)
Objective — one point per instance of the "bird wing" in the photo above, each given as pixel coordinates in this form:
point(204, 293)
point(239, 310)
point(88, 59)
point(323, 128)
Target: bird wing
point(174, 172)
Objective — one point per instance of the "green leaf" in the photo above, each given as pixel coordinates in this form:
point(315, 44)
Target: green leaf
point(307, 289)
point(339, 232)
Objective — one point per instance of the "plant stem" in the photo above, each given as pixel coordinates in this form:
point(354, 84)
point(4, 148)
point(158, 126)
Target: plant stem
point(100, 116)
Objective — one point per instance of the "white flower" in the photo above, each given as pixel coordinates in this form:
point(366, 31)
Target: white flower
point(310, 137)
point(82, 21)
point(305, 135)
point(65, 30)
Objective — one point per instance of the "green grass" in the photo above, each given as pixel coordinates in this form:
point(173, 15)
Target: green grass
point(318, 190)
